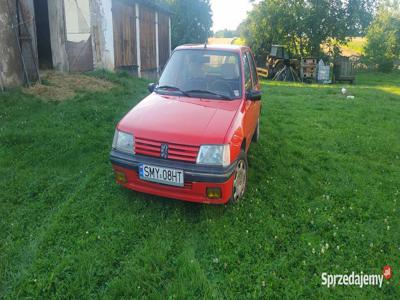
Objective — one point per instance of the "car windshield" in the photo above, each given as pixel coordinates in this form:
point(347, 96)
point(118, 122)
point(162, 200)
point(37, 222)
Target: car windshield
point(202, 73)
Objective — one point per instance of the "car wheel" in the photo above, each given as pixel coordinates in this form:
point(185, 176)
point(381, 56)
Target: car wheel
point(240, 178)
point(256, 135)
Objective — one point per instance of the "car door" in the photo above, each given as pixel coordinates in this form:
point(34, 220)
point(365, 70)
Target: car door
point(249, 123)
point(256, 85)
point(252, 107)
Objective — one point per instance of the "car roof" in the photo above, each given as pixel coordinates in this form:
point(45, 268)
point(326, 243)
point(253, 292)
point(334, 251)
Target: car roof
point(226, 47)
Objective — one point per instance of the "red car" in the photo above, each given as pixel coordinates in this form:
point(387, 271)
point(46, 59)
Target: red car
point(189, 138)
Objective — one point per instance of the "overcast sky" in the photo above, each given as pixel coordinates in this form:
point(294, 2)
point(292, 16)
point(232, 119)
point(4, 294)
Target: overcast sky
point(229, 13)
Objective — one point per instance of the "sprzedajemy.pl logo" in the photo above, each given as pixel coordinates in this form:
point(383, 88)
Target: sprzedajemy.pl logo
point(353, 279)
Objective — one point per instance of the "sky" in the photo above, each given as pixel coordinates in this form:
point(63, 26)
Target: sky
point(229, 13)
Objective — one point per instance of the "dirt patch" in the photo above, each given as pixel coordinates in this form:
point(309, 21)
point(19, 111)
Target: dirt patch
point(61, 86)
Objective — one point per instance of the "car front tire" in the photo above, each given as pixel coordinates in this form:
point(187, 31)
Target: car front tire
point(240, 178)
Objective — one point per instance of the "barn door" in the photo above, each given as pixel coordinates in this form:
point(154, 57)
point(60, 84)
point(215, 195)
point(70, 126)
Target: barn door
point(163, 37)
point(148, 41)
point(124, 26)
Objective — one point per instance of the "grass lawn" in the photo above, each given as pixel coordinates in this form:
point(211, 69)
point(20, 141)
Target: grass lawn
point(355, 45)
point(323, 196)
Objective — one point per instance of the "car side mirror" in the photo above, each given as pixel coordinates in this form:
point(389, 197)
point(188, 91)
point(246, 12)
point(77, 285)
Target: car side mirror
point(151, 87)
point(253, 95)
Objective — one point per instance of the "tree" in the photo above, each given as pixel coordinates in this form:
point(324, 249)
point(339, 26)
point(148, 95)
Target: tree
point(226, 33)
point(191, 22)
point(304, 25)
point(383, 38)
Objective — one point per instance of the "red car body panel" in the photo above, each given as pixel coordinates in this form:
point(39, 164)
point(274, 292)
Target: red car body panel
point(181, 120)
point(192, 192)
point(193, 122)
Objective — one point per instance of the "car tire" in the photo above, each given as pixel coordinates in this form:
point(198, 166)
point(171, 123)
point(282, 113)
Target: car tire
point(256, 135)
point(240, 178)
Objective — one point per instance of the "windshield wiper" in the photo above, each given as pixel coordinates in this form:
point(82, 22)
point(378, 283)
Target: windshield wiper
point(174, 88)
point(210, 93)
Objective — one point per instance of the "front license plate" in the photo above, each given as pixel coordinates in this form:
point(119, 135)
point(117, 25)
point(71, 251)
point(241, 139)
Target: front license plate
point(161, 175)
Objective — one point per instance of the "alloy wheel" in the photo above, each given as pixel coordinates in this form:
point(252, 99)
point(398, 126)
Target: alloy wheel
point(239, 184)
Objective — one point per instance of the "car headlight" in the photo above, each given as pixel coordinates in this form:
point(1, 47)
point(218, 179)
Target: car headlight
point(124, 142)
point(214, 155)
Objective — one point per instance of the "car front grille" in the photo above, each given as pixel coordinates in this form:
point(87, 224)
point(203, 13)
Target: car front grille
point(177, 152)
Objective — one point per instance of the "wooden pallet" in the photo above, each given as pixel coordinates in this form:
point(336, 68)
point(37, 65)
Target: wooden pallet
point(263, 73)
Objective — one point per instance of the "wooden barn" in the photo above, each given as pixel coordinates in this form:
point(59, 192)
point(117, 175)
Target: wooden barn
point(142, 37)
point(78, 36)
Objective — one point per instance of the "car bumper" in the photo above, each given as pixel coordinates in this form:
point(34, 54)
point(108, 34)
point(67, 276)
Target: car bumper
point(197, 178)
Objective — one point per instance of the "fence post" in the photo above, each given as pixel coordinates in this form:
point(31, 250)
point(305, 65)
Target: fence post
point(169, 32)
point(157, 47)
point(138, 57)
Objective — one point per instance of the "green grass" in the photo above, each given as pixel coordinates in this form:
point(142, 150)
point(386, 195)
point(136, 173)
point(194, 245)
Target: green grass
point(356, 44)
point(326, 175)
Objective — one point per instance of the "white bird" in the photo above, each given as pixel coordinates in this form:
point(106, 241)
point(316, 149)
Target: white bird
point(344, 91)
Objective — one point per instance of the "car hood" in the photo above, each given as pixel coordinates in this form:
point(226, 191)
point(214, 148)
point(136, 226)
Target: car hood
point(181, 120)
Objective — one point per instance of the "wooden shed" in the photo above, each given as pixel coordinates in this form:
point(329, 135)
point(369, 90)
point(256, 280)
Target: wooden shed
point(142, 37)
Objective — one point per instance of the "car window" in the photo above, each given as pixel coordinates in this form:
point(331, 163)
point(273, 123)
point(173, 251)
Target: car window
point(247, 77)
point(204, 73)
point(253, 68)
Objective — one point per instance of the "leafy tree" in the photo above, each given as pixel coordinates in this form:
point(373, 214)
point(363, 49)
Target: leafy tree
point(226, 33)
point(383, 37)
point(191, 22)
point(304, 25)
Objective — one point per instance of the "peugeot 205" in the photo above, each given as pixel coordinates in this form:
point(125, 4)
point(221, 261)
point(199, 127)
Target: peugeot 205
point(189, 138)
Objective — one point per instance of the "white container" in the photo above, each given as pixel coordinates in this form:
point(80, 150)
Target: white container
point(323, 75)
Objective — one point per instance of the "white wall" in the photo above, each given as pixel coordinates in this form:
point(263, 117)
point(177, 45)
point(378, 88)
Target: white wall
point(102, 33)
point(108, 57)
point(85, 18)
point(77, 20)
point(57, 35)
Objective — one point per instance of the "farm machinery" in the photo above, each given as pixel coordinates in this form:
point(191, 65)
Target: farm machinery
point(280, 66)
